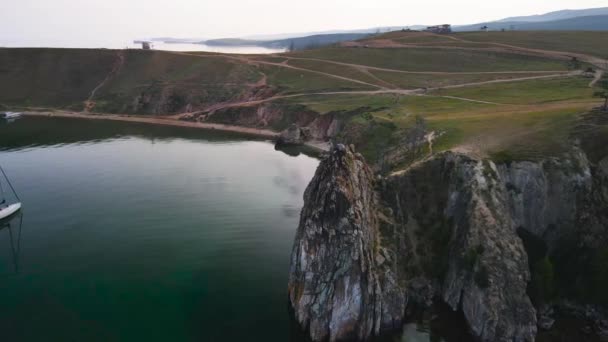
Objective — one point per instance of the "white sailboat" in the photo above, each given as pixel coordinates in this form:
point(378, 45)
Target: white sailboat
point(10, 115)
point(7, 209)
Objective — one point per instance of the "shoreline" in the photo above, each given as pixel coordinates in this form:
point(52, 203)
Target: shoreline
point(257, 132)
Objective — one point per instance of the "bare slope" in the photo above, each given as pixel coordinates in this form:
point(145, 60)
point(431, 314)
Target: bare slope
point(479, 93)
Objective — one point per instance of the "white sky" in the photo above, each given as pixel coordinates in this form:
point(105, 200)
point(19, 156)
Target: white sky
point(110, 20)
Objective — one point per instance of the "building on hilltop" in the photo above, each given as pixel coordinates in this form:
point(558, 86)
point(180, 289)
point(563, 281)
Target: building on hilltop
point(145, 45)
point(440, 29)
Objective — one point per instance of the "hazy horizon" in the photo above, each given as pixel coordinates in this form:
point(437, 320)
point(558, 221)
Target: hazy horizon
point(112, 23)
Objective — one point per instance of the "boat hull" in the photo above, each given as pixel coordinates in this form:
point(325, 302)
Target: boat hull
point(10, 115)
point(10, 210)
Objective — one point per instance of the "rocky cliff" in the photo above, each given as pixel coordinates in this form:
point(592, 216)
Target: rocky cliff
point(337, 286)
point(447, 229)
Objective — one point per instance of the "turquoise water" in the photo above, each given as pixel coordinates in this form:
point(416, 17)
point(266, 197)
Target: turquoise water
point(134, 232)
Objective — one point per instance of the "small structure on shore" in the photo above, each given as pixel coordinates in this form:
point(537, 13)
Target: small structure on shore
point(440, 29)
point(145, 44)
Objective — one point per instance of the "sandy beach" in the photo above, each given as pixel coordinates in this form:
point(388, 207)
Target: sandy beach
point(169, 121)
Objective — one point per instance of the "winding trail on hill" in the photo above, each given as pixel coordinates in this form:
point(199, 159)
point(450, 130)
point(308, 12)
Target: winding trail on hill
point(507, 80)
point(388, 88)
point(598, 62)
point(596, 78)
point(381, 90)
point(235, 104)
point(405, 92)
point(282, 65)
point(116, 66)
point(368, 67)
point(554, 54)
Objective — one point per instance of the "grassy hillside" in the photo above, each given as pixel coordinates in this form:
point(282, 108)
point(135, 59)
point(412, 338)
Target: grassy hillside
point(421, 59)
point(527, 92)
point(474, 93)
point(592, 43)
point(160, 82)
point(583, 23)
point(51, 77)
point(298, 43)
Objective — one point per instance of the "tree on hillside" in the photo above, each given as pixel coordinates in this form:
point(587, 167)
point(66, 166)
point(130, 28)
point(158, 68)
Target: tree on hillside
point(603, 92)
point(574, 63)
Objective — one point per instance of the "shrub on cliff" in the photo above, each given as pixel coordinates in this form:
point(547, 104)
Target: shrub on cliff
point(543, 282)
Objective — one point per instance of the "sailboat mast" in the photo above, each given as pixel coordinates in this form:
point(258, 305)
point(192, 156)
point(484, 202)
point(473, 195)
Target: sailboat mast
point(9, 184)
point(2, 198)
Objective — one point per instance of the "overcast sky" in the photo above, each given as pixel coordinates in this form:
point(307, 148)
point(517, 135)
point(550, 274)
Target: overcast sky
point(123, 20)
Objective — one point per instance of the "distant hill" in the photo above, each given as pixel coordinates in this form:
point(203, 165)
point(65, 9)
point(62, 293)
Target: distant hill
point(589, 23)
point(559, 15)
point(591, 19)
point(232, 42)
point(315, 40)
point(295, 43)
point(170, 40)
point(371, 30)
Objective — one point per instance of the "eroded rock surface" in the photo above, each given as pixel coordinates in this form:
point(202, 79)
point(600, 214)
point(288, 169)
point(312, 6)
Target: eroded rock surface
point(337, 284)
point(294, 135)
point(445, 230)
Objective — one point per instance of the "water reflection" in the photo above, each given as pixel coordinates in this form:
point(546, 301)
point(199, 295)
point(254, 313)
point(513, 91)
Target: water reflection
point(13, 226)
point(290, 210)
point(30, 132)
point(124, 219)
point(294, 151)
point(413, 332)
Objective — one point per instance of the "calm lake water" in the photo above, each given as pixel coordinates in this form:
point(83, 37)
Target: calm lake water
point(134, 232)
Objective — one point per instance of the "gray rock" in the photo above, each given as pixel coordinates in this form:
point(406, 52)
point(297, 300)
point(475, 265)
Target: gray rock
point(446, 228)
point(294, 135)
point(337, 288)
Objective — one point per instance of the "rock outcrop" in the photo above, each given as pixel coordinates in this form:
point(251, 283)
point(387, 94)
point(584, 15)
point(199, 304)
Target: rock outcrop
point(294, 135)
point(446, 229)
point(337, 287)
point(453, 211)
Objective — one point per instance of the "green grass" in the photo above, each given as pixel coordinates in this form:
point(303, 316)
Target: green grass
point(143, 68)
point(413, 81)
point(527, 92)
point(153, 82)
point(528, 135)
point(270, 58)
point(525, 132)
point(51, 77)
point(324, 104)
point(290, 81)
point(422, 59)
point(166, 82)
point(591, 43)
point(336, 69)
point(533, 119)
point(418, 38)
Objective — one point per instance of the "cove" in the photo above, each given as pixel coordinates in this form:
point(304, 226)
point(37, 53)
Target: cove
point(137, 232)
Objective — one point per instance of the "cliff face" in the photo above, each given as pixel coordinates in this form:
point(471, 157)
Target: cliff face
point(454, 212)
point(446, 229)
point(337, 286)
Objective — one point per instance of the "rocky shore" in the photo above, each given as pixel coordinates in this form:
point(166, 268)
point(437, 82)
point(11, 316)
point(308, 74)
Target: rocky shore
point(451, 229)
